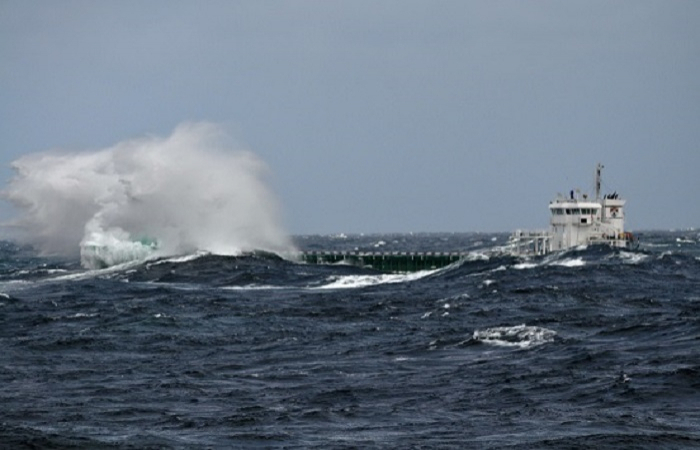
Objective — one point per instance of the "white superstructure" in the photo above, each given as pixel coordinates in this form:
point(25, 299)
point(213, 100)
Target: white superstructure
point(578, 220)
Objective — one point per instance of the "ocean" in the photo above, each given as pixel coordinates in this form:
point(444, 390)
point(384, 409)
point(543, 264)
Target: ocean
point(590, 348)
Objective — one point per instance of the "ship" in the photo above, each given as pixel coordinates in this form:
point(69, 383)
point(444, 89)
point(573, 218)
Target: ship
point(578, 220)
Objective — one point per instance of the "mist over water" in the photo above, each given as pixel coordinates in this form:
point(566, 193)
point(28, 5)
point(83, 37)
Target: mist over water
point(194, 190)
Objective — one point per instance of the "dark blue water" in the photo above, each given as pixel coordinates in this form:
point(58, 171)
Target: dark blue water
point(592, 348)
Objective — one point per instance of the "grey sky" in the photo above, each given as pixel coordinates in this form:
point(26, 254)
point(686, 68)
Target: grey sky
point(380, 116)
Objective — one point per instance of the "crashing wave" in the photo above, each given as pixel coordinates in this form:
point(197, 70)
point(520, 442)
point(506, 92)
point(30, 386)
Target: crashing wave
point(101, 251)
point(195, 190)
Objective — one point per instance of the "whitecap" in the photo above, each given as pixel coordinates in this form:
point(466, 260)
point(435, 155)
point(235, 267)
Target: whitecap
point(632, 258)
point(569, 262)
point(82, 315)
point(665, 254)
point(521, 336)
point(181, 259)
point(477, 256)
point(358, 281)
point(253, 287)
point(525, 265)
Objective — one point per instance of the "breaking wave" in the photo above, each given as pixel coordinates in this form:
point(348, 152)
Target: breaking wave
point(194, 190)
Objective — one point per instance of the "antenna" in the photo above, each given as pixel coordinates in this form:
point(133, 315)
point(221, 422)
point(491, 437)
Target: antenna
point(598, 168)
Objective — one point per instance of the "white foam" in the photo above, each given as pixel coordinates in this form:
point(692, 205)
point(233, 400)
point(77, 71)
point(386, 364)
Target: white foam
point(521, 336)
point(359, 281)
point(181, 259)
point(253, 287)
point(83, 315)
point(665, 254)
point(632, 258)
point(569, 262)
point(525, 265)
point(477, 256)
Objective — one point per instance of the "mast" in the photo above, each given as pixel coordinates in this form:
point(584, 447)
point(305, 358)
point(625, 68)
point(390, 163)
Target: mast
point(598, 168)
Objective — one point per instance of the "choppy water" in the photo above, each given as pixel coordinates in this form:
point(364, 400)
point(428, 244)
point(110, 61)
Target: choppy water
point(591, 348)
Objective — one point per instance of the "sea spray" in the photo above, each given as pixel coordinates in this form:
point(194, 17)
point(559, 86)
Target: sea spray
point(191, 191)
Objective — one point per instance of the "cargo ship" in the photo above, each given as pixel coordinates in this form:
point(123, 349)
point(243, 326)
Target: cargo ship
point(578, 220)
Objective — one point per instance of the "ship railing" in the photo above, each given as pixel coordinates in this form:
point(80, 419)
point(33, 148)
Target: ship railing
point(615, 238)
point(530, 242)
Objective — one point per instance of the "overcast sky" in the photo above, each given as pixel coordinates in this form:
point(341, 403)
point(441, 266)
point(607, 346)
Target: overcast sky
point(380, 116)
